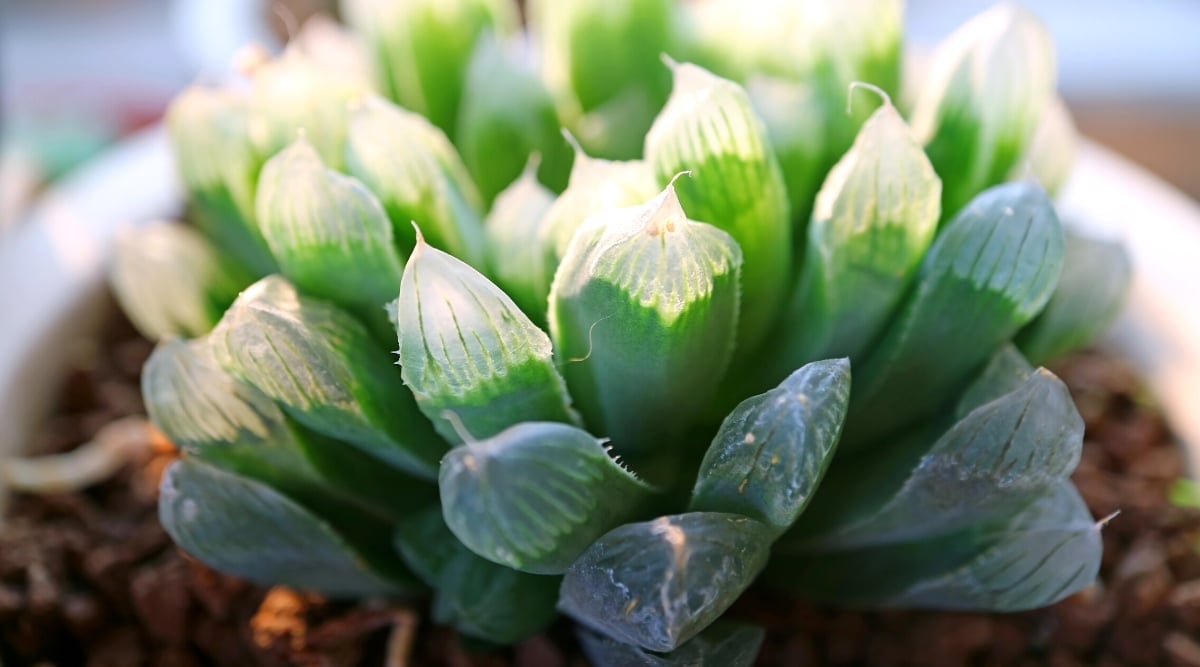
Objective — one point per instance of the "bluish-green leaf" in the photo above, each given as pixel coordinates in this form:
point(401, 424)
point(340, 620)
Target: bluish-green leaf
point(772, 451)
point(1004, 373)
point(536, 495)
point(988, 273)
point(417, 175)
point(643, 312)
point(170, 281)
point(723, 644)
point(245, 528)
point(1089, 296)
point(328, 233)
point(466, 348)
point(327, 372)
point(709, 127)
point(660, 583)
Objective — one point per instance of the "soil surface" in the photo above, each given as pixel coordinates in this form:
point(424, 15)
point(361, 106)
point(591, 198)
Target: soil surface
point(90, 578)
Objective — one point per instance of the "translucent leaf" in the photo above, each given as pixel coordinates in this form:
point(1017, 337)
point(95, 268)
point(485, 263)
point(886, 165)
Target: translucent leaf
point(513, 262)
point(643, 311)
point(1050, 153)
point(723, 644)
point(795, 118)
point(990, 271)
point(1005, 372)
point(326, 371)
point(989, 84)
point(658, 584)
point(1040, 555)
point(708, 127)
point(536, 495)
point(171, 282)
point(1089, 296)
point(507, 115)
point(247, 529)
point(420, 48)
point(771, 452)
point(874, 219)
point(418, 176)
point(994, 462)
point(328, 233)
point(466, 348)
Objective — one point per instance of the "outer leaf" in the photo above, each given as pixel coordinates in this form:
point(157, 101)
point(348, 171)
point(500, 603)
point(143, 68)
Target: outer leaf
point(709, 127)
point(420, 48)
point(210, 131)
point(723, 644)
point(645, 303)
point(507, 115)
point(990, 271)
point(1004, 373)
point(770, 453)
point(246, 529)
point(171, 282)
point(994, 462)
point(1043, 554)
point(328, 233)
point(417, 175)
point(466, 348)
point(875, 217)
point(513, 262)
point(988, 86)
point(326, 371)
point(658, 584)
point(536, 495)
point(1089, 296)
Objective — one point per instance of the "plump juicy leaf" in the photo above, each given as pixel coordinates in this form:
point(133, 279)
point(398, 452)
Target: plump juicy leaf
point(512, 261)
point(328, 233)
point(326, 371)
point(643, 310)
point(192, 284)
point(723, 644)
point(794, 115)
point(247, 529)
point(417, 175)
point(536, 495)
point(657, 584)
point(995, 461)
point(466, 348)
point(1089, 296)
point(989, 272)
point(772, 450)
point(709, 127)
point(1050, 154)
point(988, 86)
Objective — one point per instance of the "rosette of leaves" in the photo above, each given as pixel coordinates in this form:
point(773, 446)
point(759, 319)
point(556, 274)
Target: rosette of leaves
point(630, 400)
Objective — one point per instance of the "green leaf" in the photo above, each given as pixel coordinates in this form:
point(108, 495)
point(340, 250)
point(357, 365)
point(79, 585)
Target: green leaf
point(536, 495)
point(210, 131)
point(328, 233)
point(420, 48)
point(770, 453)
point(1050, 154)
point(1004, 373)
point(245, 528)
point(795, 118)
point(658, 584)
point(1185, 493)
point(427, 546)
point(1047, 552)
point(513, 262)
point(327, 372)
point(709, 127)
point(506, 116)
point(192, 285)
point(723, 644)
point(466, 348)
point(418, 176)
point(643, 310)
point(988, 85)
point(1089, 296)
point(874, 219)
point(995, 461)
point(990, 271)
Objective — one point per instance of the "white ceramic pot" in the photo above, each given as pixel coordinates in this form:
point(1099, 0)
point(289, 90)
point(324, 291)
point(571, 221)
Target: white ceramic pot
point(52, 267)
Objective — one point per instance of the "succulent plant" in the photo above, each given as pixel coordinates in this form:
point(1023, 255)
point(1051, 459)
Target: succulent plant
point(618, 386)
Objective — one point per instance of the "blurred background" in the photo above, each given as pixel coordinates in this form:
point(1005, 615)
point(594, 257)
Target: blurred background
point(75, 75)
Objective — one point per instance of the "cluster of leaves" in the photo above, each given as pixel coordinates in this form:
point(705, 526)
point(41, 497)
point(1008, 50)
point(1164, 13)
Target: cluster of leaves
point(617, 389)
